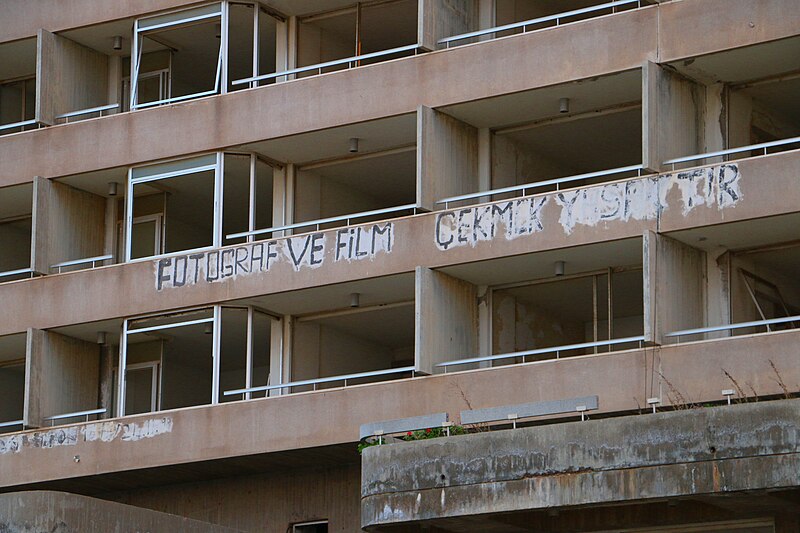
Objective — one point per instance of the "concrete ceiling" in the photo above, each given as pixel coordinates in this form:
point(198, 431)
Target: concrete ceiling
point(519, 108)
point(742, 235)
point(781, 98)
point(374, 291)
point(96, 182)
point(540, 265)
point(744, 64)
point(330, 143)
point(100, 37)
point(16, 201)
point(18, 59)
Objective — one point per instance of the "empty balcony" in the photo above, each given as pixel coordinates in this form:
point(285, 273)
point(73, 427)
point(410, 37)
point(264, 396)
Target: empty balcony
point(16, 226)
point(12, 382)
point(18, 86)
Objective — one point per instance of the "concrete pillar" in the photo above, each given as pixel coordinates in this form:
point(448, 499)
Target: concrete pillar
point(674, 286)
point(277, 349)
point(114, 93)
point(69, 77)
point(446, 316)
point(715, 132)
point(106, 379)
point(437, 20)
point(61, 375)
point(447, 157)
point(672, 116)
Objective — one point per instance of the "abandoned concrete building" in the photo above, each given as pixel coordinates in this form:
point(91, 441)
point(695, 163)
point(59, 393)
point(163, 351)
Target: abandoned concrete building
point(400, 265)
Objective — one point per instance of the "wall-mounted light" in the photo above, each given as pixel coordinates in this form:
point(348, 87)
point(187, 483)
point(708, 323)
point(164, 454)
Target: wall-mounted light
point(118, 42)
point(563, 105)
point(355, 300)
point(112, 188)
point(102, 338)
point(353, 145)
point(559, 267)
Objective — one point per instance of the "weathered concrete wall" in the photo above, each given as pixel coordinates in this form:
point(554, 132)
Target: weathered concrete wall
point(673, 110)
point(446, 319)
point(681, 453)
point(447, 157)
point(438, 19)
point(261, 503)
point(62, 512)
point(674, 286)
point(330, 417)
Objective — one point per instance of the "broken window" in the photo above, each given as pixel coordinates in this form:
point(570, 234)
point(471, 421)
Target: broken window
point(377, 181)
point(366, 28)
point(764, 287)
point(594, 307)
point(248, 196)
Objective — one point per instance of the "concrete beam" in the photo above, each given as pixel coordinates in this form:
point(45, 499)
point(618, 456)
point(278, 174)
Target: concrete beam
point(331, 417)
point(682, 453)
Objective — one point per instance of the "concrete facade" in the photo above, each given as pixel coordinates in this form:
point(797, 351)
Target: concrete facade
point(376, 214)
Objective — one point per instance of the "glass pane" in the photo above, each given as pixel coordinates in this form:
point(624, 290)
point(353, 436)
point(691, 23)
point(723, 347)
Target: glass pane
point(233, 352)
point(144, 239)
point(139, 391)
point(240, 44)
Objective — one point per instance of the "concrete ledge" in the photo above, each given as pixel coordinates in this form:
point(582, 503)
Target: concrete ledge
point(685, 452)
point(25, 512)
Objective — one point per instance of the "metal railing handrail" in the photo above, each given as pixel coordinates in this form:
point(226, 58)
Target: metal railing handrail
point(86, 413)
point(16, 272)
point(317, 381)
point(319, 221)
point(21, 124)
point(708, 155)
point(539, 351)
point(171, 325)
point(12, 423)
point(539, 20)
point(320, 66)
point(737, 325)
point(98, 109)
point(536, 184)
point(74, 262)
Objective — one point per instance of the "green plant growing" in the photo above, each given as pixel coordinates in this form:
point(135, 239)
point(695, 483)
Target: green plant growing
point(421, 434)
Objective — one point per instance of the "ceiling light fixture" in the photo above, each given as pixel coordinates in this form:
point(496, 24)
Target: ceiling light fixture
point(563, 105)
point(559, 268)
point(353, 145)
point(113, 188)
point(118, 42)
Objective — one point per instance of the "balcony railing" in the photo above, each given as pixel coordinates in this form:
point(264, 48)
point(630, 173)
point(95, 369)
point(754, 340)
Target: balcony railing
point(13, 125)
point(349, 61)
point(537, 184)
point(318, 222)
point(18, 272)
point(65, 416)
point(722, 153)
point(12, 424)
point(739, 325)
point(75, 262)
point(541, 351)
point(318, 381)
point(100, 109)
point(540, 20)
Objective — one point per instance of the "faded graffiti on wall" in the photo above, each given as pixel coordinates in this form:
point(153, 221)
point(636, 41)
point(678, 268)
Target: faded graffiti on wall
point(73, 435)
point(304, 251)
point(637, 199)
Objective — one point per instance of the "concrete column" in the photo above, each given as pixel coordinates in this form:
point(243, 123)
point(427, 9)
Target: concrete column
point(484, 161)
point(447, 157)
point(674, 286)
point(446, 315)
point(672, 116)
point(276, 355)
point(437, 19)
point(106, 379)
point(715, 132)
point(114, 95)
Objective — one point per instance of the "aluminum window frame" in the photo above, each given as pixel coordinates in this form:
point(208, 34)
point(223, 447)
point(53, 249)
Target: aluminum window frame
point(203, 166)
point(193, 15)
